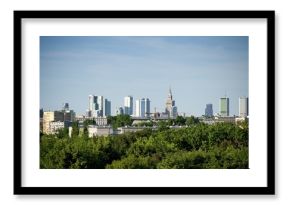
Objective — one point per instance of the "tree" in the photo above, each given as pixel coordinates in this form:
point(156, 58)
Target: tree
point(180, 120)
point(162, 125)
point(204, 146)
point(191, 121)
point(75, 129)
point(62, 133)
point(184, 160)
point(119, 121)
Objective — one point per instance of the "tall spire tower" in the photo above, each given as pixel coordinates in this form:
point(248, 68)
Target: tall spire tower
point(170, 93)
point(170, 108)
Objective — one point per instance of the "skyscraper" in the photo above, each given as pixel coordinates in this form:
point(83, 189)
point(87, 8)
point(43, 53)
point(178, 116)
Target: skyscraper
point(147, 107)
point(100, 103)
point(243, 107)
point(128, 105)
point(173, 112)
point(95, 103)
point(96, 106)
point(170, 109)
point(107, 108)
point(91, 103)
point(119, 111)
point(208, 110)
point(142, 107)
point(224, 107)
point(137, 109)
point(65, 107)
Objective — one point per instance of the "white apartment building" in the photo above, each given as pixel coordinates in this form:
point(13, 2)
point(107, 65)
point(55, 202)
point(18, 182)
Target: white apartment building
point(128, 105)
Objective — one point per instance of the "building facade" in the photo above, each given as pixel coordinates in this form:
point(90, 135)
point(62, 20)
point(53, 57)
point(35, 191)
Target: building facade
point(224, 107)
point(122, 130)
point(107, 108)
point(95, 131)
point(69, 115)
point(101, 121)
point(65, 107)
point(208, 110)
point(54, 120)
point(170, 108)
point(243, 107)
point(51, 116)
point(128, 105)
point(91, 103)
point(119, 111)
point(96, 106)
point(55, 126)
point(147, 107)
point(142, 107)
point(100, 106)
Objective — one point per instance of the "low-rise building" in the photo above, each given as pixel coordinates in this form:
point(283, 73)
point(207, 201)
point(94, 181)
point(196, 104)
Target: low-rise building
point(54, 127)
point(94, 130)
point(122, 130)
point(51, 116)
point(100, 121)
point(225, 119)
point(219, 119)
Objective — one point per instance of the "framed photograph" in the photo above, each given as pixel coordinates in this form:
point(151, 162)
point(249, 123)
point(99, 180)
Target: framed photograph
point(144, 102)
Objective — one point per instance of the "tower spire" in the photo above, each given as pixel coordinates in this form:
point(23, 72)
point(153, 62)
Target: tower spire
point(170, 93)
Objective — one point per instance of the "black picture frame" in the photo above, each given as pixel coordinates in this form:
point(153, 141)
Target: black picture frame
point(19, 189)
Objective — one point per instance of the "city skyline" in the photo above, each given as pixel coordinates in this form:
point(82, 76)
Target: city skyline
point(199, 70)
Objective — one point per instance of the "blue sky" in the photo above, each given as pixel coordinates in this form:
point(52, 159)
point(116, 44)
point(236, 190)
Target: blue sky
point(199, 70)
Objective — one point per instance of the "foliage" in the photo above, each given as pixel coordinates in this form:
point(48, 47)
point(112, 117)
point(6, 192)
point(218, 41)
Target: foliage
point(195, 146)
point(75, 129)
point(119, 121)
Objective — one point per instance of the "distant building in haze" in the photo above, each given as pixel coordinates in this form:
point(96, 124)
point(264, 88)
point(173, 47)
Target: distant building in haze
point(100, 103)
point(147, 107)
point(91, 103)
point(128, 105)
point(170, 108)
point(142, 107)
point(243, 107)
point(120, 111)
point(224, 107)
point(65, 107)
point(96, 106)
point(107, 108)
point(208, 110)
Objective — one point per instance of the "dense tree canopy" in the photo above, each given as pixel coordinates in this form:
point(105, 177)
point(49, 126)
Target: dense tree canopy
point(120, 121)
point(198, 146)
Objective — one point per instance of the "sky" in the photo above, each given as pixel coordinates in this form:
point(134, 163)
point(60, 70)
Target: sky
point(199, 70)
